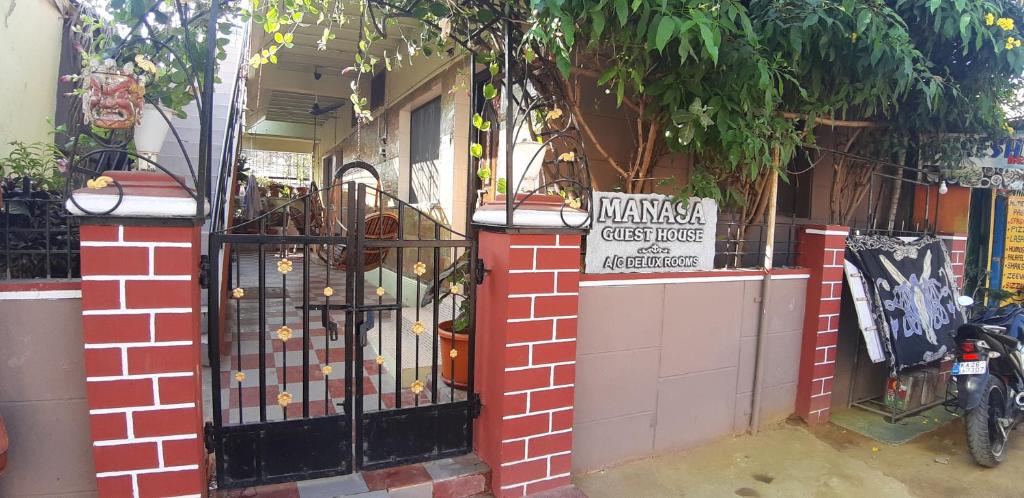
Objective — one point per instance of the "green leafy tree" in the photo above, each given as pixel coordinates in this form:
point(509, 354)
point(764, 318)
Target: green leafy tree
point(740, 86)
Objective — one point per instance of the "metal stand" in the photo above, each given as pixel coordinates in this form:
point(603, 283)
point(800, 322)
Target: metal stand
point(892, 414)
point(875, 404)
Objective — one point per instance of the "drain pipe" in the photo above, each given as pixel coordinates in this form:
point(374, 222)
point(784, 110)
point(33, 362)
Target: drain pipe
point(769, 249)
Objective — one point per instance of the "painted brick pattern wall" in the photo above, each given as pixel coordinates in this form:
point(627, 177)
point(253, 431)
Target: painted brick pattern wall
point(540, 371)
point(957, 246)
point(822, 252)
point(526, 338)
point(140, 299)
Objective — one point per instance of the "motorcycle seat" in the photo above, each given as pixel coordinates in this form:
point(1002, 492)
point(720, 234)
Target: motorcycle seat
point(1009, 342)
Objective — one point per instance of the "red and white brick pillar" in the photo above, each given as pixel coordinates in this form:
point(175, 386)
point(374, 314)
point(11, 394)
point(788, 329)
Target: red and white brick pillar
point(822, 250)
point(956, 244)
point(526, 359)
point(140, 314)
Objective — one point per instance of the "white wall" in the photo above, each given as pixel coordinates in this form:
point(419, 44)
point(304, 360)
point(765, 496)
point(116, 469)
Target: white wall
point(30, 39)
point(172, 156)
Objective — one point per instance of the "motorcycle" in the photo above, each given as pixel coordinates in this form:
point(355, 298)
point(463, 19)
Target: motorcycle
point(989, 374)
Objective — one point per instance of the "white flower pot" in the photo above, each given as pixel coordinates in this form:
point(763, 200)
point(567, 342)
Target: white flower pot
point(527, 160)
point(151, 132)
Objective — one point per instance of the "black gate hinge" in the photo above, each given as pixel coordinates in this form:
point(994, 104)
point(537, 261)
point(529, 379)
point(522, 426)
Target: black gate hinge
point(480, 271)
point(209, 437)
point(204, 271)
point(475, 406)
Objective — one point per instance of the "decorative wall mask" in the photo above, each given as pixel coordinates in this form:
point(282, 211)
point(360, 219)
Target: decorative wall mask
point(113, 96)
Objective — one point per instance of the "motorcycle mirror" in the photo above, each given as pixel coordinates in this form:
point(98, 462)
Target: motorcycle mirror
point(964, 301)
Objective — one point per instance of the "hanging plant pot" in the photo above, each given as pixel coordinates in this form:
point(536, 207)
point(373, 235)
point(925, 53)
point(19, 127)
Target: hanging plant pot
point(151, 131)
point(112, 96)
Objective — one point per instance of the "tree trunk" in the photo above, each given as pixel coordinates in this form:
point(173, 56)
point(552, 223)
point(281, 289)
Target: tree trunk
point(897, 192)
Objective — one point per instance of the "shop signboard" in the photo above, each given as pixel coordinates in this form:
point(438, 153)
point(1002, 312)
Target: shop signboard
point(990, 163)
point(1013, 250)
point(651, 233)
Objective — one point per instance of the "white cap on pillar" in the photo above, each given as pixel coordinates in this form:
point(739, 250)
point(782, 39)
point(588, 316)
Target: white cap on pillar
point(536, 211)
point(148, 194)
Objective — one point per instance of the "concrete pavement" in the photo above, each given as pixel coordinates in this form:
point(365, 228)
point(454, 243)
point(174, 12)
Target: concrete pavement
point(791, 460)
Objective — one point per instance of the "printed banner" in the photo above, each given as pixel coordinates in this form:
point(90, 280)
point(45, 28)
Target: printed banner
point(651, 233)
point(991, 163)
point(913, 296)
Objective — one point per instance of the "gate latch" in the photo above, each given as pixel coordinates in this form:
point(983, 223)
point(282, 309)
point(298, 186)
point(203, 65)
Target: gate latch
point(204, 271)
point(480, 270)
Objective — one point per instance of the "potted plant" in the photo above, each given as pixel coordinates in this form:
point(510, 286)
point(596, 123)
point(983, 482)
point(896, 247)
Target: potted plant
point(453, 334)
point(33, 220)
point(39, 164)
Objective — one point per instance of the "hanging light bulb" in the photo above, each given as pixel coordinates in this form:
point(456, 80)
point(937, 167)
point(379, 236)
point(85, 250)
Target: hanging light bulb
point(943, 188)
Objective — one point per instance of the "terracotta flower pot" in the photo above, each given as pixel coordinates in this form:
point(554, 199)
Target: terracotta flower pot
point(460, 343)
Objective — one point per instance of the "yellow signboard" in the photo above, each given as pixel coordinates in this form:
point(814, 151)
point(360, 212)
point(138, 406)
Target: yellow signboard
point(1013, 253)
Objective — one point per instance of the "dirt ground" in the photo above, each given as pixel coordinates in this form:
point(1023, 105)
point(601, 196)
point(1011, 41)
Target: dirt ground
point(792, 460)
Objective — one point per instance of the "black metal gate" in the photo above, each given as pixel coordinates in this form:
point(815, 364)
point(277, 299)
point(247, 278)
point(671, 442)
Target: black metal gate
point(329, 338)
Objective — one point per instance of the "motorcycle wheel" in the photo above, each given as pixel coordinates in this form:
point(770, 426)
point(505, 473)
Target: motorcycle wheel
point(985, 440)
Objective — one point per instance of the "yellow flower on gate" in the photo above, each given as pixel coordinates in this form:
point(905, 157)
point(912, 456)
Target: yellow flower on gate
point(380, 360)
point(455, 289)
point(284, 333)
point(284, 266)
point(238, 293)
point(419, 268)
point(239, 376)
point(554, 114)
point(567, 157)
point(381, 292)
point(327, 369)
point(453, 353)
point(417, 386)
point(418, 327)
point(990, 19)
point(1005, 22)
point(328, 291)
point(99, 182)
point(284, 399)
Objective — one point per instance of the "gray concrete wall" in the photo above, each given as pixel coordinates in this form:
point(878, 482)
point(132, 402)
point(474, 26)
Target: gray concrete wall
point(42, 399)
point(670, 366)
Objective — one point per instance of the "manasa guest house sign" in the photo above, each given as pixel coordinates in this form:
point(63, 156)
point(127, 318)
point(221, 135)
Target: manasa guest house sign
point(651, 233)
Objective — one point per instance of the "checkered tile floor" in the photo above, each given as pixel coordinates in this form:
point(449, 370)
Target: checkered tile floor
point(283, 369)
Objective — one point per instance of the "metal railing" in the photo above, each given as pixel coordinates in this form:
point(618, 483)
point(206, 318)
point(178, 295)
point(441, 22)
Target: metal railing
point(221, 215)
point(739, 247)
point(39, 239)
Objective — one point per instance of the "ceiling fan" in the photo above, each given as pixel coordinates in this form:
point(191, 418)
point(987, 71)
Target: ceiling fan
point(318, 110)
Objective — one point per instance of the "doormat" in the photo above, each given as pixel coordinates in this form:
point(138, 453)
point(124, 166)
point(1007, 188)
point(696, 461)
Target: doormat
point(876, 426)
